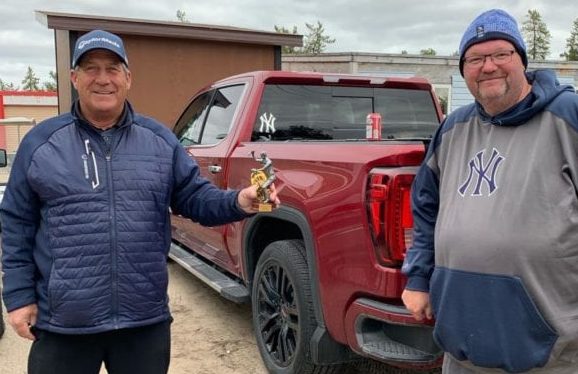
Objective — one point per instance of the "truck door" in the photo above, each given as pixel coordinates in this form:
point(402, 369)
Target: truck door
point(204, 131)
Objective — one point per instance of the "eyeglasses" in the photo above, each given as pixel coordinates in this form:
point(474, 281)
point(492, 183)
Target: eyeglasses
point(498, 58)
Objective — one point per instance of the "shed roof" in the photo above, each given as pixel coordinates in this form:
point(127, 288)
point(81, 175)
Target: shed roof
point(185, 30)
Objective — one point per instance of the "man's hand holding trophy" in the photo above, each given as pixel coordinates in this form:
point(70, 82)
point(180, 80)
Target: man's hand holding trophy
point(263, 178)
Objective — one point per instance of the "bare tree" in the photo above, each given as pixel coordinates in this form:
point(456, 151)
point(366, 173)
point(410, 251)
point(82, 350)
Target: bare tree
point(536, 35)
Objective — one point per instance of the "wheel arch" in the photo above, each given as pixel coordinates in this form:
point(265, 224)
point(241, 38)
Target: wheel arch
point(284, 223)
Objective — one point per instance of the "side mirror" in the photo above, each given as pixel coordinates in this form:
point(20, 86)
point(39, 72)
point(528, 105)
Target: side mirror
point(3, 161)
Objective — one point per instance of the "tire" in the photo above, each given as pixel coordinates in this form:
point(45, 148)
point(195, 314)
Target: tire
point(283, 314)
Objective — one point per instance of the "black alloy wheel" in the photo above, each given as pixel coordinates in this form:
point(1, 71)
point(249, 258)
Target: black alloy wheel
point(283, 314)
point(277, 311)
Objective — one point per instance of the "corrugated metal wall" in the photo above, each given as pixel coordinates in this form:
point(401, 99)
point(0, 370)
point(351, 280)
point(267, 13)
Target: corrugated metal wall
point(459, 94)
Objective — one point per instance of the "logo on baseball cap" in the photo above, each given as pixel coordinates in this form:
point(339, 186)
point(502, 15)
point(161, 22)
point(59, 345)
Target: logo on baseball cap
point(98, 39)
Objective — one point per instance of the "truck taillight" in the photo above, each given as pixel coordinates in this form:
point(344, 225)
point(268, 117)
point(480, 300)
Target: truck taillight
point(390, 216)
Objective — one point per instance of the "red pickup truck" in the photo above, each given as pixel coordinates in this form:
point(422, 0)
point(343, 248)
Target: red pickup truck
point(322, 271)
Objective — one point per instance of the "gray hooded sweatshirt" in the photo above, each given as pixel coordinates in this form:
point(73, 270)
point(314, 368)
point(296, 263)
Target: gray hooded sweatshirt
point(495, 208)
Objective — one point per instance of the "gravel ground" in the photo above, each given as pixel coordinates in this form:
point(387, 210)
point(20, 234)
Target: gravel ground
point(209, 335)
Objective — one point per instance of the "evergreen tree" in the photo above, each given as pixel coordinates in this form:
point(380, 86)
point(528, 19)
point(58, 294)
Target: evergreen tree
point(6, 86)
point(316, 41)
point(52, 84)
point(536, 36)
point(428, 52)
point(571, 53)
point(182, 16)
point(282, 30)
point(30, 82)
point(443, 103)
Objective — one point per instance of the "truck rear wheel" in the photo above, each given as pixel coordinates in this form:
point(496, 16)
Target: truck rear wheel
point(283, 315)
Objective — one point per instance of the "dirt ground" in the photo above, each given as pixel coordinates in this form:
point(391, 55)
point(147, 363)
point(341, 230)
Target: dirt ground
point(210, 335)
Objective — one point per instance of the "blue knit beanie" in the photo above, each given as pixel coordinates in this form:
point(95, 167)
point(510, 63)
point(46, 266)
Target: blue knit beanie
point(491, 25)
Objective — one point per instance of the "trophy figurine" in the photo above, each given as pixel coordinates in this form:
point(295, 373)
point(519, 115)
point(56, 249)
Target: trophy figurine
point(263, 177)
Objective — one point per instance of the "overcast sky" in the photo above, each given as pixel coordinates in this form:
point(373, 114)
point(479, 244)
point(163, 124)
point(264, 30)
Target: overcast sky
point(382, 26)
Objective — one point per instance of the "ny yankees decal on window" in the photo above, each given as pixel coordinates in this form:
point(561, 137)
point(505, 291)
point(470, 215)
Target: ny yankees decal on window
point(482, 173)
point(267, 123)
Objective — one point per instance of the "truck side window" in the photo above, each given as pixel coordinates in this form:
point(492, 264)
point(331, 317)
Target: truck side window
point(221, 113)
point(188, 128)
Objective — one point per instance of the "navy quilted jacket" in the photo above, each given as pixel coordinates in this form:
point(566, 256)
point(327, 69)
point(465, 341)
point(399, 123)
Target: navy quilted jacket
point(86, 227)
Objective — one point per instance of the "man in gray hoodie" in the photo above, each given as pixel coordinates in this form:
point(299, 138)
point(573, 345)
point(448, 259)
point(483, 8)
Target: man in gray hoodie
point(495, 251)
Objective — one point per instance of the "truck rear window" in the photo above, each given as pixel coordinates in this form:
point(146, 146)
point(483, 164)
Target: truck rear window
point(338, 113)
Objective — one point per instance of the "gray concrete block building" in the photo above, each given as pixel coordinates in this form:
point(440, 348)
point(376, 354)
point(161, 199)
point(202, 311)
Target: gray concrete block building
point(442, 71)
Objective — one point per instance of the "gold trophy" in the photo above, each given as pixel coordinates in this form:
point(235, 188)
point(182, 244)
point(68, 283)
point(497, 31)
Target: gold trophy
point(263, 177)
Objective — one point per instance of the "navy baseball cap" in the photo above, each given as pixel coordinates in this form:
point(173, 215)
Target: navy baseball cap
point(98, 39)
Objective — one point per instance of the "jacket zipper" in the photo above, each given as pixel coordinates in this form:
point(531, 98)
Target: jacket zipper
point(113, 236)
point(91, 159)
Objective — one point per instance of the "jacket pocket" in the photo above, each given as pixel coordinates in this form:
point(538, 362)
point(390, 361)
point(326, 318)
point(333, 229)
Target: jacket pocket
point(489, 320)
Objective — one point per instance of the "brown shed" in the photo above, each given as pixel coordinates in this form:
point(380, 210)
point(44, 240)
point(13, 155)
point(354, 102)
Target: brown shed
point(169, 61)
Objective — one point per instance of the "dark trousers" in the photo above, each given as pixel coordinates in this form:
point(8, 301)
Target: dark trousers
point(143, 350)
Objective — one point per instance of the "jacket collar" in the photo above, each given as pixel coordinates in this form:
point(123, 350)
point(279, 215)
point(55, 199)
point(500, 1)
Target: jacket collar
point(545, 88)
point(125, 120)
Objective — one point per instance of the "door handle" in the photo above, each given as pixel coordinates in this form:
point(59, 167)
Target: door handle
point(214, 169)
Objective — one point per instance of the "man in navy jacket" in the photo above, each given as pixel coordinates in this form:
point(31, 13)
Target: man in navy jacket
point(86, 227)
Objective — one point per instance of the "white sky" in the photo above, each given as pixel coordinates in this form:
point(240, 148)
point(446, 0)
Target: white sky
point(383, 26)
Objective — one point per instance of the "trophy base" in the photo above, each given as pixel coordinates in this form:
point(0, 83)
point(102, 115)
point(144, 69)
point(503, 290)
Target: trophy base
point(263, 207)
